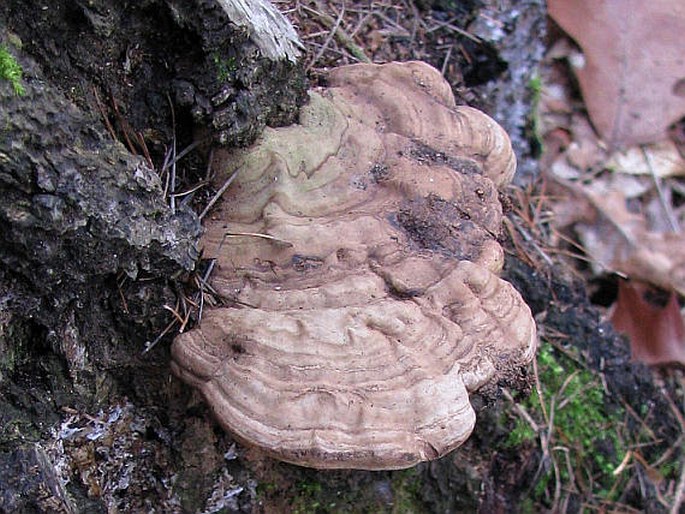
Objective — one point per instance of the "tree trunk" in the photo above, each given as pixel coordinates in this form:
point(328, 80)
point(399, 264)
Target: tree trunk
point(93, 250)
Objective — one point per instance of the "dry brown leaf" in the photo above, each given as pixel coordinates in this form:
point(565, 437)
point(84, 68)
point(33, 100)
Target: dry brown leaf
point(655, 329)
point(585, 152)
point(661, 159)
point(621, 241)
point(581, 154)
point(633, 78)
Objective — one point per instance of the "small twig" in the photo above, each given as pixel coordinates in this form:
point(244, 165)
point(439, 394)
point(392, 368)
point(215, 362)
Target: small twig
point(446, 61)
point(146, 151)
point(124, 125)
point(363, 21)
point(531, 240)
point(416, 20)
point(183, 153)
point(329, 38)
point(103, 113)
point(668, 212)
point(679, 492)
point(173, 311)
point(399, 29)
point(562, 403)
point(204, 282)
point(340, 35)
point(624, 463)
point(256, 234)
point(151, 344)
point(196, 187)
point(538, 389)
point(521, 410)
point(220, 192)
point(184, 322)
point(210, 159)
point(123, 298)
point(448, 25)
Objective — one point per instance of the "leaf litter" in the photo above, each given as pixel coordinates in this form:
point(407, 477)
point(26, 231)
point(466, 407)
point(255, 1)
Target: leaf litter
point(631, 70)
point(613, 170)
point(611, 160)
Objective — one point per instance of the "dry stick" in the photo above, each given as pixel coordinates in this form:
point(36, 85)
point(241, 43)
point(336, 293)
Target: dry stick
point(314, 35)
point(416, 19)
point(103, 113)
point(183, 153)
point(668, 212)
point(446, 61)
point(547, 451)
point(172, 198)
point(146, 151)
point(202, 299)
point(400, 30)
point(123, 124)
point(151, 344)
point(521, 410)
point(173, 311)
point(448, 24)
point(329, 38)
point(680, 491)
point(530, 240)
point(203, 283)
point(185, 322)
point(538, 389)
point(258, 235)
point(340, 35)
point(123, 299)
point(361, 23)
point(624, 463)
point(545, 434)
point(167, 156)
point(210, 159)
point(562, 402)
point(197, 186)
point(218, 194)
point(334, 50)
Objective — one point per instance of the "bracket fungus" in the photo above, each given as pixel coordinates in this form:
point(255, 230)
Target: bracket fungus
point(359, 253)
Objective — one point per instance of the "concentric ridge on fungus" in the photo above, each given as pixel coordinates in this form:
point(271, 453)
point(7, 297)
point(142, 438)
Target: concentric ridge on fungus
point(358, 326)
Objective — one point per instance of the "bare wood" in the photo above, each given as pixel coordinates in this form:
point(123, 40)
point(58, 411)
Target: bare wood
point(269, 29)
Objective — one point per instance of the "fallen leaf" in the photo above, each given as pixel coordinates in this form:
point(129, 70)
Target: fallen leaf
point(661, 159)
point(621, 241)
point(633, 74)
point(582, 153)
point(655, 329)
point(585, 152)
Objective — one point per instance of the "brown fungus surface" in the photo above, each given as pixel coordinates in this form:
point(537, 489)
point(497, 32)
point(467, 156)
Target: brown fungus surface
point(358, 250)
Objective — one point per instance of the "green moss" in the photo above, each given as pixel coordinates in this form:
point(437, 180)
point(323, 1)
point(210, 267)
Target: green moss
point(585, 437)
point(225, 67)
point(309, 498)
point(14, 337)
point(406, 488)
point(11, 71)
point(534, 132)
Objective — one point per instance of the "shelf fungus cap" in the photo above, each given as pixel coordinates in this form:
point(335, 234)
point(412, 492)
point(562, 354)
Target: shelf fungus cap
point(358, 255)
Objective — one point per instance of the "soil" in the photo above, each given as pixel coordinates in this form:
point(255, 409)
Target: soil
point(121, 434)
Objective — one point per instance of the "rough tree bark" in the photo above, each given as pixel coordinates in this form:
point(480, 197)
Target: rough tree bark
point(90, 250)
